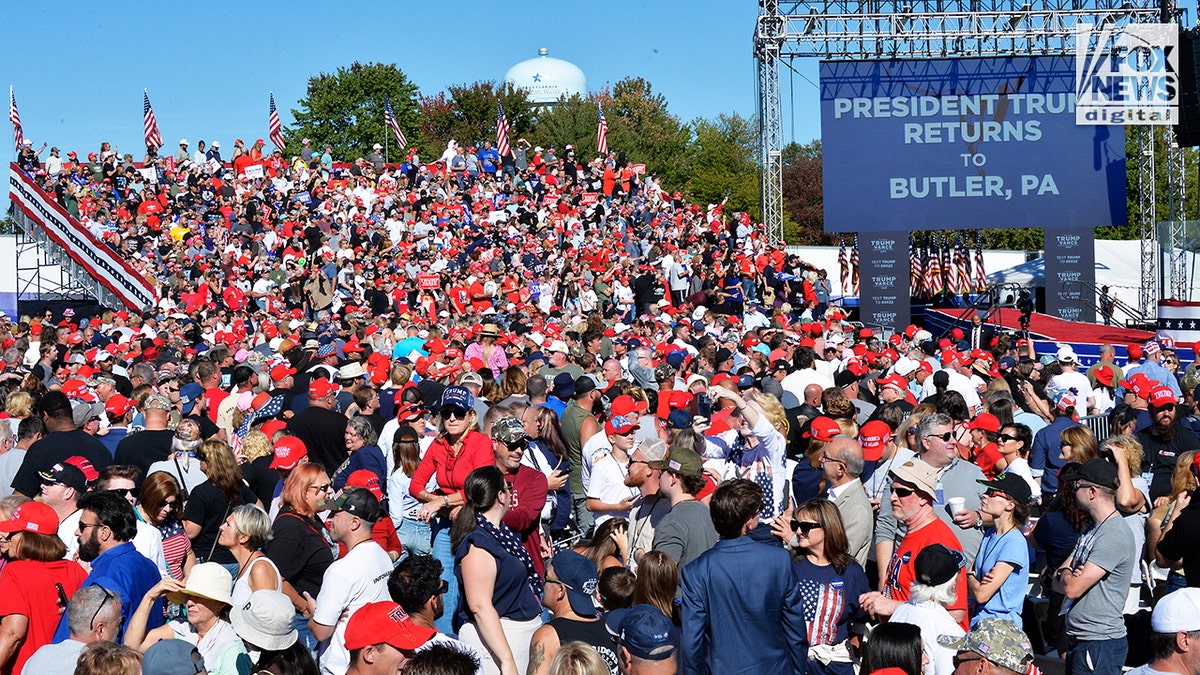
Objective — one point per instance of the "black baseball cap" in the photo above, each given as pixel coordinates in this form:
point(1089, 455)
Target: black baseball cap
point(358, 502)
point(937, 564)
point(1010, 484)
point(1097, 472)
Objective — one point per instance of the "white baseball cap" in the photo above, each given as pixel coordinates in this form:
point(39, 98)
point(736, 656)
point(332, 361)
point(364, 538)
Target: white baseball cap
point(1177, 611)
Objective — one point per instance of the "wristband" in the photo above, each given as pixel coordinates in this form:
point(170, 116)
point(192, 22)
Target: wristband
point(446, 501)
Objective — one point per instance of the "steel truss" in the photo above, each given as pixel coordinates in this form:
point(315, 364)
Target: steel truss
point(853, 30)
point(45, 272)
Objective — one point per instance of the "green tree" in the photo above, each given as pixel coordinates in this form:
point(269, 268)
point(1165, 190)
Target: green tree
point(803, 204)
point(571, 121)
point(345, 109)
point(640, 126)
point(721, 153)
point(467, 113)
point(1162, 183)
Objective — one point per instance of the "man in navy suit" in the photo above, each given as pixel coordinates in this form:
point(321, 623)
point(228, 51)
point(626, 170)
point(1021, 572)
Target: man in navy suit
point(738, 594)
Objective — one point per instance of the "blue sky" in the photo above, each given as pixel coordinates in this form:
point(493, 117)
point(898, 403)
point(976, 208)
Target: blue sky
point(78, 74)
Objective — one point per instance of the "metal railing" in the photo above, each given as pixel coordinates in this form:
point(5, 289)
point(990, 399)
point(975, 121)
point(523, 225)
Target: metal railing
point(1098, 424)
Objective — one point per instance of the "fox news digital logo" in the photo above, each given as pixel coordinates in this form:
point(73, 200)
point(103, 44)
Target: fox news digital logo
point(1128, 75)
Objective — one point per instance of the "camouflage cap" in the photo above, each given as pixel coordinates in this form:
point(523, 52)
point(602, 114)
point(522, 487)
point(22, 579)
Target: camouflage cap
point(664, 372)
point(509, 430)
point(681, 460)
point(998, 641)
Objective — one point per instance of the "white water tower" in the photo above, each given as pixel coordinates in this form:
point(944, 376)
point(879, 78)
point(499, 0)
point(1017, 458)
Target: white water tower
point(546, 79)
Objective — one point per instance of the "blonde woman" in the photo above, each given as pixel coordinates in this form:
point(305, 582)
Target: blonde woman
point(906, 433)
point(18, 405)
point(1077, 444)
point(755, 449)
point(257, 455)
point(488, 350)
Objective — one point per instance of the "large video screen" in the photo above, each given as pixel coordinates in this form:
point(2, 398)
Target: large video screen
point(964, 144)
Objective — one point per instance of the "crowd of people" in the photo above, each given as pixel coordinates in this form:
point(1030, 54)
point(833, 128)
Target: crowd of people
point(528, 414)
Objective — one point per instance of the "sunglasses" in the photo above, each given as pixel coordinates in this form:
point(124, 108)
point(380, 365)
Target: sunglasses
point(902, 492)
point(945, 437)
point(519, 445)
point(124, 492)
point(108, 597)
point(1004, 438)
point(805, 526)
point(454, 413)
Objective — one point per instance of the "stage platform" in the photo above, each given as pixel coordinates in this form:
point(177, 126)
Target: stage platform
point(1049, 332)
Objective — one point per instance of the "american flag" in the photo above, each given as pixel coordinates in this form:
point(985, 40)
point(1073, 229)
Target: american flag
point(502, 133)
point(389, 118)
point(947, 267)
point(602, 132)
point(980, 275)
point(823, 605)
point(844, 264)
point(854, 263)
point(933, 270)
point(276, 129)
point(962, 271)
point(914, 264)
point(15, 118)
point(150, 124)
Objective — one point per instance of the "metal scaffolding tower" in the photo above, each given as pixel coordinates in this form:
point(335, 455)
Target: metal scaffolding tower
point(1177, 283)
point(856, 30)
point(45, 272)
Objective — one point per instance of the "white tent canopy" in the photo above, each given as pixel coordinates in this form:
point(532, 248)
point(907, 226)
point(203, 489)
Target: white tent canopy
point(1118, 266)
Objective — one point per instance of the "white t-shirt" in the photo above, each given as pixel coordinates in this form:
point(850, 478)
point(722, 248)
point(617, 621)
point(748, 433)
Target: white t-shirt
point(1072, 380)
point(355, 580)
point(66, 531)
point(797, 381)
point(191, 476)
point(597, 446)
point(956, 381)
point(148, 542)
point(934, 621)
point(1020, 466)
point(608, 485)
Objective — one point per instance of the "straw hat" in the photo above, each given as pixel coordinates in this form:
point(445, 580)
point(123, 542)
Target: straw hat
point(207, 580)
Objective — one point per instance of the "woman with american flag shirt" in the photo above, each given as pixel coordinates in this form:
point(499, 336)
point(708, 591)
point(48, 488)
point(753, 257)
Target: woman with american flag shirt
point(830, 580)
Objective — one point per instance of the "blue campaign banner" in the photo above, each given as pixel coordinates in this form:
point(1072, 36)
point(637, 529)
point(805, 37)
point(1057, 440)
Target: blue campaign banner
point(964, 143)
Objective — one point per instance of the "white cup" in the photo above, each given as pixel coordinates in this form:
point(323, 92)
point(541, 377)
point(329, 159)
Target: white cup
point(956, 504)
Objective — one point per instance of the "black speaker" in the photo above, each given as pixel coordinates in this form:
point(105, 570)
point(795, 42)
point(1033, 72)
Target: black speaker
point(1187, 131)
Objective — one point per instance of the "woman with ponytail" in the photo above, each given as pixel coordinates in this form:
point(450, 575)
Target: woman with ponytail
point(500, 610)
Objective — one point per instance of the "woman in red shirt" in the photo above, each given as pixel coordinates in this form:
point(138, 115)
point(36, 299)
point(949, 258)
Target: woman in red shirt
point(458, 450)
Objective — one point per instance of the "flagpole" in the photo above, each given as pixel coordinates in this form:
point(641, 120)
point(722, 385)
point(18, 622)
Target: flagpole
point(385, 140)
